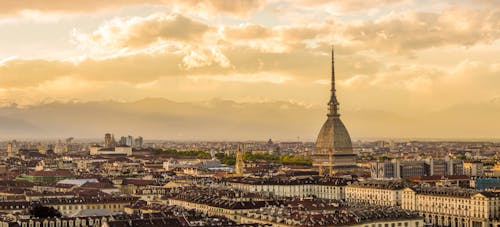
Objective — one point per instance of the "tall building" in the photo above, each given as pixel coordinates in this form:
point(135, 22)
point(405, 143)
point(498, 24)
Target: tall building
point(123, 141)
point(138, 142)
point(59, 148)
point(333, 142)
point(113, 141)
point(473, 168)
point(12, 149)
point(107, 140)
point(129, 141)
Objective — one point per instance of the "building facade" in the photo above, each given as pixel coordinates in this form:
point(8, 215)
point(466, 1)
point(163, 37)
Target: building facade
point(319, 187)
point(406, 169)
point(473, 168)
point(453, 207)
point(374, 192)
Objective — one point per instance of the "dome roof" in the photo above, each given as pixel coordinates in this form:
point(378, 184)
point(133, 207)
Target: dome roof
point(333, 136)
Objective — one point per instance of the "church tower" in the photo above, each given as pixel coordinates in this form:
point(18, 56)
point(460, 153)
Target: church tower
point(333, 146)
point(239, 165)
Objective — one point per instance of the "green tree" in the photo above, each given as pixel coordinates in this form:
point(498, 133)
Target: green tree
point(283, 159)
point(198, 154)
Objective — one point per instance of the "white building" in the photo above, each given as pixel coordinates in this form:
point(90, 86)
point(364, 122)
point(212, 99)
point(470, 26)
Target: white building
point(375, 192)
point(320, 187)
point(455, 207)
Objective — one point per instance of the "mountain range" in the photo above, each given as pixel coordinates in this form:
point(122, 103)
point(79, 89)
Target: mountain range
point(158, 118)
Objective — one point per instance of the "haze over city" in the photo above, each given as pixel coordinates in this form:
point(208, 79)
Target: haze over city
point(249, 70)
point(249, 113)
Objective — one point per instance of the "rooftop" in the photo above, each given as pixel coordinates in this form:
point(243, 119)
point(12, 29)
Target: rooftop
point(316, 180)
point(381, 184)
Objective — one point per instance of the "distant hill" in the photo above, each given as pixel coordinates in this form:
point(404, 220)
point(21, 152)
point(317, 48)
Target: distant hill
point(228, 120)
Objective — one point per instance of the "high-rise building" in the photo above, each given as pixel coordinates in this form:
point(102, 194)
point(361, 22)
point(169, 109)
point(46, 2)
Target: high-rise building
point(473, 168)
point(333, 142)
point(59, 147)
point(107, 140)
point(123, 141)
point(130, 141)
point(11, 150)
point(113, 142)
point(138, 142)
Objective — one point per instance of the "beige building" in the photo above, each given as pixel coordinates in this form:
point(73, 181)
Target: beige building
point(58, 222)
point(12, 150)
point(230, 210)
point(375, 192)
point(276, 222)
point(473, 168)
point(495, 171)
point(320, 187)
point(69, 206)
point(453, 207)
point(314, 212)
point(218, 202)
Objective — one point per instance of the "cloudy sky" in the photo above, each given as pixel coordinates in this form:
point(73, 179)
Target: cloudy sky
point(409, 58)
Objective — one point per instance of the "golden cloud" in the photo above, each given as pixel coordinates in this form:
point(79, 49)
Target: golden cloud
point(248, 32)
point(63, 5)
point(406, 32)
point(347, 5)
point(229, 7)
point(142, 31)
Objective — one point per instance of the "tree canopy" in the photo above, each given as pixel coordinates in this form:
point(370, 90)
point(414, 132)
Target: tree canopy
point(273, 158)
point(197, 154)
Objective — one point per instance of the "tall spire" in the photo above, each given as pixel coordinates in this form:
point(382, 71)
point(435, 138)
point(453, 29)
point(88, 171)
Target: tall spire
point(333, 104)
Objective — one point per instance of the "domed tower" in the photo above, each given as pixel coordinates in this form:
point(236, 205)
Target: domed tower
point(333, 145)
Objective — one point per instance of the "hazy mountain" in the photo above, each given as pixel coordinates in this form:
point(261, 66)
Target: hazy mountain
point(222, 119)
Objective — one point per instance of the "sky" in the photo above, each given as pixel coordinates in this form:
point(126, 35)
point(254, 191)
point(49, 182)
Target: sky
point(405, 58)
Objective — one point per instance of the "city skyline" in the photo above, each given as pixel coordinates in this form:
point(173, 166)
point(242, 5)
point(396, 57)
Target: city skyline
point(249, 113)
point(405, 69)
